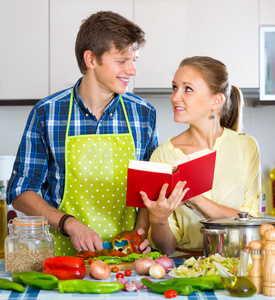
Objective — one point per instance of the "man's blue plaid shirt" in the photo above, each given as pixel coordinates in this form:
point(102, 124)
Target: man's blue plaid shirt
point(40, 161)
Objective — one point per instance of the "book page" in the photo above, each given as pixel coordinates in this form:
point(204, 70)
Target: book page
point(193, 156)
point(150, 166)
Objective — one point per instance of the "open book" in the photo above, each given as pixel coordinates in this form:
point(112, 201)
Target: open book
point(197, 169)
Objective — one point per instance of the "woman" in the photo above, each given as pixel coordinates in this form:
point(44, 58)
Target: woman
point(204, 98)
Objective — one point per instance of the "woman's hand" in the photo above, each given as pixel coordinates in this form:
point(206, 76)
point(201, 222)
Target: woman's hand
point(159, 212)
point(161, 209)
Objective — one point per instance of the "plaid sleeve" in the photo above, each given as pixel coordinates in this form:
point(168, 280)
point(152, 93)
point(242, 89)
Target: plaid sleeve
point(30, 167)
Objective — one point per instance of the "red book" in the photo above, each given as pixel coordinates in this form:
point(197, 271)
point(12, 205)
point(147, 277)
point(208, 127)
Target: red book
point(196, 169)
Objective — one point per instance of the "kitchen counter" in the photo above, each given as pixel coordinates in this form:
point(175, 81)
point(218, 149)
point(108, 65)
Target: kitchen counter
point(33, 294)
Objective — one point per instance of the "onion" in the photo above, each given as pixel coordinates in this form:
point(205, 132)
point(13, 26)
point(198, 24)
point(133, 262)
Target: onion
point(100, 270)
point(142, 265)
point(157, 271)
point(165, 262)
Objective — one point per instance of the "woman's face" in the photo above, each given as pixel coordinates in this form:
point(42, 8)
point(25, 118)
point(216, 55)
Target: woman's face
point(191, 97)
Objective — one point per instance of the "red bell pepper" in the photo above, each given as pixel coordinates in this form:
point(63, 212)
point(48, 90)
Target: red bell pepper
point(133, 239)
point(65, 267)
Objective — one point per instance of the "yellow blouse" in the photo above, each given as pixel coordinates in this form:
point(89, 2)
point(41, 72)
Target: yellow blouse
point(237, 183)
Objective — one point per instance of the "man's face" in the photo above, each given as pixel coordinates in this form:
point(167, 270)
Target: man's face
point(114, 73)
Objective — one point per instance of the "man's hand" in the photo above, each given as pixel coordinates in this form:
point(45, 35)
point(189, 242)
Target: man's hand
point(144, 246)
point(82, 237)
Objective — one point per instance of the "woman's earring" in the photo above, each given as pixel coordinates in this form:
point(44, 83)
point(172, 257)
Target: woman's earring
point(212, 116)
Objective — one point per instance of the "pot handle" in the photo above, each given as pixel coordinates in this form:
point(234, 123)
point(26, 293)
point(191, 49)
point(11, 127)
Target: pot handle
point(213, 231)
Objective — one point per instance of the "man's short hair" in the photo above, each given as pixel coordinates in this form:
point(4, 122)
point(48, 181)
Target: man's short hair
point(104, 30)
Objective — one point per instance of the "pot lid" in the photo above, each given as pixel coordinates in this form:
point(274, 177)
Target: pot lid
point(242, 220)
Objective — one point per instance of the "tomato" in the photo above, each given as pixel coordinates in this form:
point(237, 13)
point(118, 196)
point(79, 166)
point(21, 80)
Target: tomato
point(127, 272)
point(119, 275)
point(91, 261)
point(170, 294)
point(115, 269)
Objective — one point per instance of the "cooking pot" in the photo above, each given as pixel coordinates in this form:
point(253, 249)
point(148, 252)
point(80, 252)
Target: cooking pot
point(227, 236)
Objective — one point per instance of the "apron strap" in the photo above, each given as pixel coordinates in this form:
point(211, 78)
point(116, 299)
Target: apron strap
point(128, 124)
point(70, 113)
point(69, 121)
point(125, 114)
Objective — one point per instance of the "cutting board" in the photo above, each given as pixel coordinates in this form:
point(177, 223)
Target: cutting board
point(121, 267)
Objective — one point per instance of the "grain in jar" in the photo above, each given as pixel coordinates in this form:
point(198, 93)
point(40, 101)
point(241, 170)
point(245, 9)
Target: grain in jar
point(28, 245)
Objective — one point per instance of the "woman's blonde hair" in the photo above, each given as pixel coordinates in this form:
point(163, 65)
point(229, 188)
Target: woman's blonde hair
point(215, 74)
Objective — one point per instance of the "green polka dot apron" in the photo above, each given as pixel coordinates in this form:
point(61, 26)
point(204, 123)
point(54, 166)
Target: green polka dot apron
point(95, 183)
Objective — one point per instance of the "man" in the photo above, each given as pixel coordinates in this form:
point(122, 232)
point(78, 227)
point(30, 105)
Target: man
point(71, 165)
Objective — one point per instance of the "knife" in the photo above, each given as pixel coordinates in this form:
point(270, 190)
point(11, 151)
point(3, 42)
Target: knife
point(118, 244)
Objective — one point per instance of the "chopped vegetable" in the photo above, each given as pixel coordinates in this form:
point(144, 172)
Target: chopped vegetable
point(128, 258)
point(203, 266)
point(105, 252)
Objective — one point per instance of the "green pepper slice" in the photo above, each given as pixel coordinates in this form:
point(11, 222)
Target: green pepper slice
point(204, 283)
point(161, 289)
point(88, 287)
point(6, 284)
point(43, 284)
point(33, 275)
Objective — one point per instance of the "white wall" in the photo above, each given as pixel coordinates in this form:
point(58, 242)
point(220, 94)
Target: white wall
point(12, 123)
point(258, 121)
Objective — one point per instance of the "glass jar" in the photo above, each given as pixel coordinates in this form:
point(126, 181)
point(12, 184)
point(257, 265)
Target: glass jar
point(28, 244)
point(3, 230)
